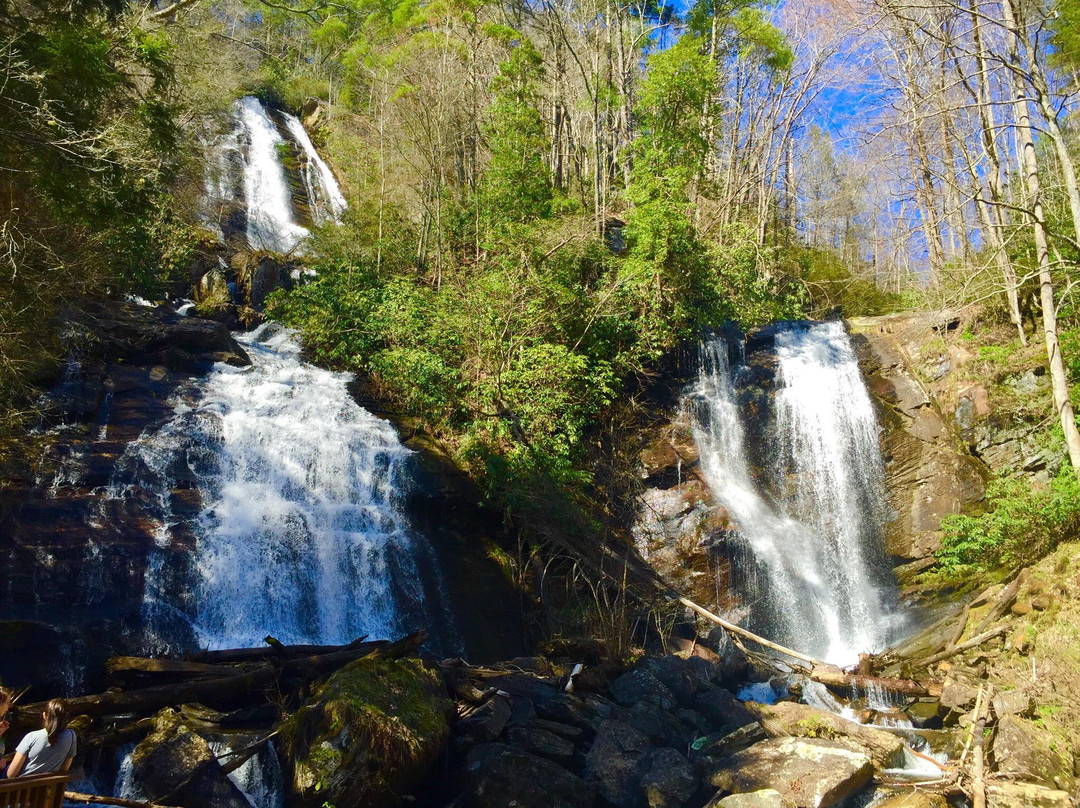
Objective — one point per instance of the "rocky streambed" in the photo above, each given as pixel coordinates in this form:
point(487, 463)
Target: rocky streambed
point(570, 729)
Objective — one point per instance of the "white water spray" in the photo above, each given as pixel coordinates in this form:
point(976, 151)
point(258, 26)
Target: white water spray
point(813, 587)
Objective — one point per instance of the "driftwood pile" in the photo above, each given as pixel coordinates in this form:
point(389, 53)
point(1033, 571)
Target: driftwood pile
point(232, 679)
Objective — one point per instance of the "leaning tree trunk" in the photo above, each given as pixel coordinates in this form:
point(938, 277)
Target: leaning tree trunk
point(1046, 283)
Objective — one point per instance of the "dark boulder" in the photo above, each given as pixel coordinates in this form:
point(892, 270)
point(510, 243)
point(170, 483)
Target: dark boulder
point(617, 762)
point(678, 675)
point(497, 776)
point(639, 685)
point(486, 722)
point(669, 780)
point(722, 709)
point(537, 741)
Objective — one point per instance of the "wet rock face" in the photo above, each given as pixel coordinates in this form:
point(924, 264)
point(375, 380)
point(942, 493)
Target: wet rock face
point(929, 471)
point(74, 545)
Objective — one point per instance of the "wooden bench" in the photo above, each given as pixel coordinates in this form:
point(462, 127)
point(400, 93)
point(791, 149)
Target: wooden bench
point(43, 791)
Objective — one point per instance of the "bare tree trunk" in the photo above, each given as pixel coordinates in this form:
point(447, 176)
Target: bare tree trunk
point(1046, 283)
point(997, 214)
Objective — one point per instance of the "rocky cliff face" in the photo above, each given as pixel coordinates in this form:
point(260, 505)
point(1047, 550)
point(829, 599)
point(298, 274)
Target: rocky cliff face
point(930, 470)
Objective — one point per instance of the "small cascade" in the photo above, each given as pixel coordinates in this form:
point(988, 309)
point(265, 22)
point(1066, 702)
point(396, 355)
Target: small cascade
point(270, 221)
point(300, 533)
point(324, 196)
point(259, 778)
point(222, 175)
point(806, 550)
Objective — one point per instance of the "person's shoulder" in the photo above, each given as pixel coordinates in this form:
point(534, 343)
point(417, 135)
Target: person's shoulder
point(31, 739)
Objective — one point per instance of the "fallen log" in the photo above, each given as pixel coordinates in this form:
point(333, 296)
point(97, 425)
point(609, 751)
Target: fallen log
point(974, 642)
point(832, 676)
point(131, 664)
point(1005, 600)
point(236, 655)
point(742, 632)
point(224, 689)
point(87, 799)
point(978, 784)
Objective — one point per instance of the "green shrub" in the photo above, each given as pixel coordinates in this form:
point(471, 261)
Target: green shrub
point(1024, 524)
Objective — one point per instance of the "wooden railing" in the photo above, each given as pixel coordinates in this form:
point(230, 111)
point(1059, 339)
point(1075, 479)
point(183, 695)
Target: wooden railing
point(45, 791)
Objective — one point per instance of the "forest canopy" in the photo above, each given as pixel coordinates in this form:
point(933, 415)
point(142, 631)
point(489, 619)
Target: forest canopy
point(548, 199)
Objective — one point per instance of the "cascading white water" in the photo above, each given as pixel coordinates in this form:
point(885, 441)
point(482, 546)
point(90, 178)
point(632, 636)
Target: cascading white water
point(324, 196)
point(270, 221)
point(813, 585)
point(299, 529)
point(300, 533)
point(221, 170)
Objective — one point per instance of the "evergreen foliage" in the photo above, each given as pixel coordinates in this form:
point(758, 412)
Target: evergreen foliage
point(1025, 524)
point(89, 148)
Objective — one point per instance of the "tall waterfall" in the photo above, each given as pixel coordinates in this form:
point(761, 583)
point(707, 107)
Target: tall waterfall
point(808, 532)
point(300, 533)
point(270, 222)
point(249, 188)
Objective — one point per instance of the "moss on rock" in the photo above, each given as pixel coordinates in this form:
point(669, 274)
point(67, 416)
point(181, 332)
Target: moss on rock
point(368, 735)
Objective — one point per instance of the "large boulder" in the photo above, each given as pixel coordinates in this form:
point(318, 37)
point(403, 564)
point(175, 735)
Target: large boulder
point(175, 762)
point(722, 709)
point(788, 718)
point(660, 726)
point(486, 722)
point(617, 761)
point(137, 332)
point(367, 736)
point(543, 742)
point(1023, 751)
point(497, 776)
point(765, 798)
point(669, 780)
point(679, 675)
point(809, 774)
point(639, 685)
point(1025, 795)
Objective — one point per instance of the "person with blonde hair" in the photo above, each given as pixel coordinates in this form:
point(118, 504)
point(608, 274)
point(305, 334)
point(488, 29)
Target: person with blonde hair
point(48, 750)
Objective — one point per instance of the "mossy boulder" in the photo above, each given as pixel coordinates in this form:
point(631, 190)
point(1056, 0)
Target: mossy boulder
point(368, 736)
point(176, 762)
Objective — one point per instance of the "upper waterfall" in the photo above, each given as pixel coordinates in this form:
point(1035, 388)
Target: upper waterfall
point(270, 221)
point(250, 190)
point(807, 540)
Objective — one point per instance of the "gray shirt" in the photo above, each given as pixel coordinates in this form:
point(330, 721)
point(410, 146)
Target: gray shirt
point(43, 757)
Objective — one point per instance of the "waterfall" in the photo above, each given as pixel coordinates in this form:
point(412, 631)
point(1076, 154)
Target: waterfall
point(300, 532)
point(270, 222)
point(251, 169)
point(324, 196)
point(809, 547)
